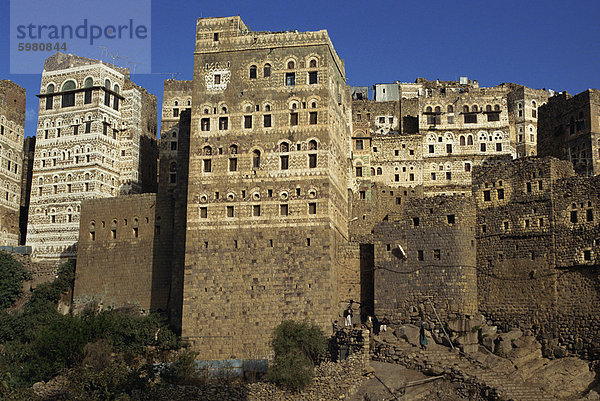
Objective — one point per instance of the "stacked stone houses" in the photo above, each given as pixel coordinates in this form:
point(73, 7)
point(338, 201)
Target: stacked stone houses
point(96, 138)
point(282, 193)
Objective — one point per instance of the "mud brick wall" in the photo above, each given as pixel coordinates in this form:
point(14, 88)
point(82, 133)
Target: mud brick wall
point(124, 252)
point(438, 237)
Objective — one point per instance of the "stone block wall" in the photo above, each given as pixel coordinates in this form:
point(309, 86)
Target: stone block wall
point(124, 253)
point(437, 260)
point(243, 282)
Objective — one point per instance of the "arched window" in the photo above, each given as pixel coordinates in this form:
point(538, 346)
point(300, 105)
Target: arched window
point(465, 109)
point(268, 107)
point(496, 107)
point(290, 65)
point(462, 141)
point(313, 105)
point(450, 108)
point(88, 83)
point(372, 171)
point(438, 109)
point(428, 109)
point(470, 140)
point(313, 63)
point(50, 89)
point(233, 149)
point(256, 159)
point(533, 104)
point(68, 97)
point(207, 150)
point(176, 103)
point(379, 171)
point(267, 70)
point(284, 147)
point(252, 72)
point(474, 108)
point(107, 84)
point(223, 110)
point(488, 108)
point(116, 88)
point(312, 145)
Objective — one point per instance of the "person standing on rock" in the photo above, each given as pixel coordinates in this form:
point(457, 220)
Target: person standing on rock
point(348, 316)
point(422, 336)
point(383, 325)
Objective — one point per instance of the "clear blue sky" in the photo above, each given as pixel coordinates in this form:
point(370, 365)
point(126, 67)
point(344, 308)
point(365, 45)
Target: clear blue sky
point(541, 44)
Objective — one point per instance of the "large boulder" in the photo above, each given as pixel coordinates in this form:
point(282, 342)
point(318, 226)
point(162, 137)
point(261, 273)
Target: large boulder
point(408, 332)
point(511, 335)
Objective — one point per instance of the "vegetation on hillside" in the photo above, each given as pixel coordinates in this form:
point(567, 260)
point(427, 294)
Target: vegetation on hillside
point(12, 275)
point(101, 355)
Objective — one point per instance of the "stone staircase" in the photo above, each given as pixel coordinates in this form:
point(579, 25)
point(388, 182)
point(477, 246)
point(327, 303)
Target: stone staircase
point(502, 381)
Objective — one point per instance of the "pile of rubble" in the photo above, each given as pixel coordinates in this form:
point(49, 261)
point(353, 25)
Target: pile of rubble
point(506, 364)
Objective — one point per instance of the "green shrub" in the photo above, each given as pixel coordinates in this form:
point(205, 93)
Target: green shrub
point(183, 370)
point(298, 347)
point(12, 275)
point(40, 343)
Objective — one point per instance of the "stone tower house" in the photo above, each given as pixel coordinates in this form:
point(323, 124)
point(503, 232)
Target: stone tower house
point(267, 196)
point(96, 138)
point(12, 121)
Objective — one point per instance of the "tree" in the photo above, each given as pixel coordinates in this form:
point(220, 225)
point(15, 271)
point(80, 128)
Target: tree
point(12, 275)
point(298, 347)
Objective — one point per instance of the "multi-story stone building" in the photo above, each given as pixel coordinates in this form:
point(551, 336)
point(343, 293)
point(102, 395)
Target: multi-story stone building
point(432, 133)
point(12, 122)
point(570, 130)
point(96, 138)
point(267, 193)
point(173, 178)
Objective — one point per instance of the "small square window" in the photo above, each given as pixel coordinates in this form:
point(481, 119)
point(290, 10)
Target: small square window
point(267, 120)
point(283, 209)
point(284, 162)
point(312, 208)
